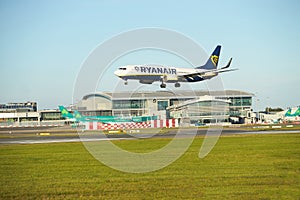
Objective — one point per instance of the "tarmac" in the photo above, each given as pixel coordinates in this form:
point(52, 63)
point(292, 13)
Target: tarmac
point(54, 135)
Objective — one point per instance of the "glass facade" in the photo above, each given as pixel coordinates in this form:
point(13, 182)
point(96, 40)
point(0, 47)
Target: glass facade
point(96, 113)
point(238, 105)
point(234, 112)
point(208, 108)
point(51, 116)
point(208, 111)
point(240, 101)
point(162, 105)
point(128, 104)
point(19, 107)
point(177, 101)
point(128, 113)
point(210, 103)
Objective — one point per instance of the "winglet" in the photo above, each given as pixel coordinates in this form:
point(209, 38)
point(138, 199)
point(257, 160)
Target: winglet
point(228, 64)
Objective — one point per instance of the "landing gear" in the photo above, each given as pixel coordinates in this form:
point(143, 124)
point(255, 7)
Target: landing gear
point(177, 84)
point(163, 79)
point(126, 82)
point(163, 85)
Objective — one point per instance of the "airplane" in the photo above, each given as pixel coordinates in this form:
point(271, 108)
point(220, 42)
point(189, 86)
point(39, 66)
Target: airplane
point(104, 119)
point(78, 117)
point(295, 114)
point(147, 74)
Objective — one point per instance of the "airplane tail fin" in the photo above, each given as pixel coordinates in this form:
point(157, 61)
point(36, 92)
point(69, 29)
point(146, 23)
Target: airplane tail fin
point(77, 114)
point(288, 113)
point(213, 60)
point(297, 113)
point(64, 112)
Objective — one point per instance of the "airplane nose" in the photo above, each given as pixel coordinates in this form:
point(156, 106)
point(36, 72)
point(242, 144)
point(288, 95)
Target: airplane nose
point(116, 73)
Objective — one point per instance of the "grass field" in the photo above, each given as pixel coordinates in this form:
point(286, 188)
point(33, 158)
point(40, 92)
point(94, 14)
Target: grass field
point(239, 167)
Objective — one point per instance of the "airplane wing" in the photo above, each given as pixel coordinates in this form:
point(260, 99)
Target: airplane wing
point(200, 76)
point(207, 73)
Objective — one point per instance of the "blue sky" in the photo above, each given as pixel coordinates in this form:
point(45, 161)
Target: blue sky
point(44, 43)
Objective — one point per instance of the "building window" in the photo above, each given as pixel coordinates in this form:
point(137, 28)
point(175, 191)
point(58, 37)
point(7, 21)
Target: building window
point(128, 104)
point(51, 116)
point(247, 101)
point(162, 105)
point(241, 101)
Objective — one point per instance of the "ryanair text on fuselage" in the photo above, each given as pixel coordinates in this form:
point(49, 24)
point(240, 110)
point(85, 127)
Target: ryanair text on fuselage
point(155, 70)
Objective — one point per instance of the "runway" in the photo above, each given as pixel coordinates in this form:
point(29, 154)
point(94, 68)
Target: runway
point(26, 137)
point(53, 140)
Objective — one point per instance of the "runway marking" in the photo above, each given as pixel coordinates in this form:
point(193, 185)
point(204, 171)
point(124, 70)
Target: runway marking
point(269, 132)
point(60, 140)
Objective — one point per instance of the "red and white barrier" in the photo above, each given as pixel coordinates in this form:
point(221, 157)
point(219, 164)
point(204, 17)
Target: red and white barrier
point(164, 123)
point(168, 123)
point(102, 126)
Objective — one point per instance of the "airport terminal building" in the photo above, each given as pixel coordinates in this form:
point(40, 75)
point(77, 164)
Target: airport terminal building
point(204, 107)
point(18, 112)
point(27, 114)
point(189, 107)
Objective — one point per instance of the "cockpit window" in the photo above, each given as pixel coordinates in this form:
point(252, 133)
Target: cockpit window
point(122, 68)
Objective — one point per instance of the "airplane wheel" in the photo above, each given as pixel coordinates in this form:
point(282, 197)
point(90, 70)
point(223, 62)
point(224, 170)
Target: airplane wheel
point(163, 85)
point(177, 84)
point(125, 83)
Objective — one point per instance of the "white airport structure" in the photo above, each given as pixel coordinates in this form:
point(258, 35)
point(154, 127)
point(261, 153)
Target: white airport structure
point(26, 114)
point(202, 107)
point(187, 108)
point(202, 110)
point(19, 112)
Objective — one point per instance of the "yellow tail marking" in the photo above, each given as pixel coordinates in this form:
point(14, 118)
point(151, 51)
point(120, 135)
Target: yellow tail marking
point(215, 59)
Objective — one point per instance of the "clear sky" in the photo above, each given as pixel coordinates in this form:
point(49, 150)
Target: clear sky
point(44, 43)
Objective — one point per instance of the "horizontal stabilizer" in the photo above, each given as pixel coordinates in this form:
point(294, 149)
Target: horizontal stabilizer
point(226, 70)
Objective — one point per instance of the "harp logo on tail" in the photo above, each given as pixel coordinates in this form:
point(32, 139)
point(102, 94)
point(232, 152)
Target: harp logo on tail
point(215, 59)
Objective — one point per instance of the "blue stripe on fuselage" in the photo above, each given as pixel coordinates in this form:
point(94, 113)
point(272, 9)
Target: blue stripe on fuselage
point(144, 77)
point(194, 78)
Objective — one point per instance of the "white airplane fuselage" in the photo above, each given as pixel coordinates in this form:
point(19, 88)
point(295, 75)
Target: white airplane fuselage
point(149, 73)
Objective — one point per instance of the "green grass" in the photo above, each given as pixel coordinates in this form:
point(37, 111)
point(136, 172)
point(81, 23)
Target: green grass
point(239, 167)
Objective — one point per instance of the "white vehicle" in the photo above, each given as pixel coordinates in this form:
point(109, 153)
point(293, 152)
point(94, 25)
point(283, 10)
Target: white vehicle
point(147, 74)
